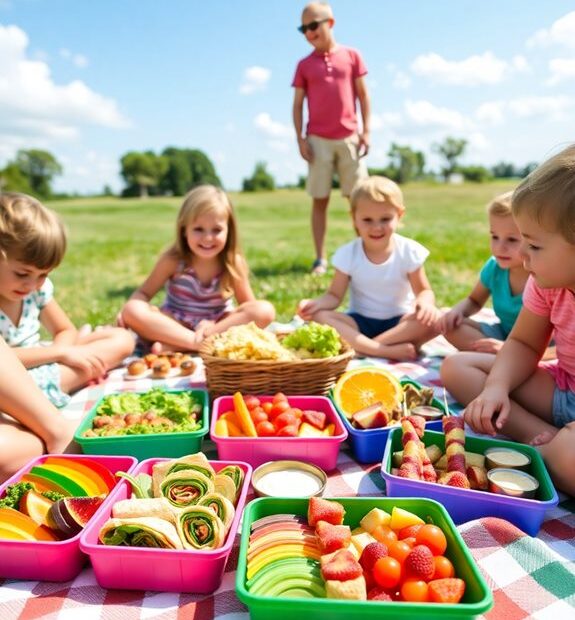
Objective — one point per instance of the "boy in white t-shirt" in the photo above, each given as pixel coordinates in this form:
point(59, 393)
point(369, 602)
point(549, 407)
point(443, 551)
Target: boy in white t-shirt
point(392, 306)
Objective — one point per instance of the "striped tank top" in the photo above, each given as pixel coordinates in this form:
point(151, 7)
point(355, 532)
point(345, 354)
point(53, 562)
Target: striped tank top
point(189, 301)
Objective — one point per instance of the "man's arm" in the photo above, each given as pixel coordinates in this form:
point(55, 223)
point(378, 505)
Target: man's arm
point(297, 113)
point(365, 109)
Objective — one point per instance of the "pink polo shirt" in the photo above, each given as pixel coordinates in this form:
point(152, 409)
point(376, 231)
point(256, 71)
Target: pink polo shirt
point(328, 80)
point(558, 305)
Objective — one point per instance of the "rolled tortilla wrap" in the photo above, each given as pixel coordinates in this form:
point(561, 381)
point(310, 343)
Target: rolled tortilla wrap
point(197, 462)
point(158, 507)
point(236, 473)
point(225, 485)
point(200, 528)
point(184, 488)
point(140, 532)
point(221, 506)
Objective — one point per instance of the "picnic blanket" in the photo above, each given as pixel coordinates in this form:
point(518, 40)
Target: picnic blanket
point(530, 577)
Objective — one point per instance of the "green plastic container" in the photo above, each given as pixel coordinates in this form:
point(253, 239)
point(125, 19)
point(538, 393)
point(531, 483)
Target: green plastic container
point(476, 601)
point(142, 447)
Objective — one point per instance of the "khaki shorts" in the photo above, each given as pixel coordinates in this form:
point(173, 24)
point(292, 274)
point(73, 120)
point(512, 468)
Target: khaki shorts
point(330, 156)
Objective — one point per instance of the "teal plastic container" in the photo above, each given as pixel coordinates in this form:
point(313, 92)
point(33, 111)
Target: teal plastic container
point(153, 445)
point(468, 504)
point(476, 601)
point(368, 445)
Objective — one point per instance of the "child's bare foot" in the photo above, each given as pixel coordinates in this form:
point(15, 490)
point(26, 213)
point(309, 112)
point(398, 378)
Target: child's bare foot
point(543, 438)
point(403, 351)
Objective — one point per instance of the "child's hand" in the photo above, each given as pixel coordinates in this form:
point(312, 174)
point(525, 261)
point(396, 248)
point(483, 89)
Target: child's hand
point(449, 321)
point(81, 358)
point(489, 411)
point(305, 149)
point(487, 345)
point(307, 308)
point(204, 329)
point(427, 314)
point(120, 320)
point(363, 146)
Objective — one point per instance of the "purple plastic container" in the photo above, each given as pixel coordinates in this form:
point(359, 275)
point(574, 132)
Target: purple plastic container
point(53, 560)
point(320, 451)
point(468, 504)
point(160, 570)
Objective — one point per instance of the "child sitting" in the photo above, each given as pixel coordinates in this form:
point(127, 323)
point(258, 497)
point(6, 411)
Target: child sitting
point(32, 244)
point(203, 271)
point(541, 409)
point(391, 310)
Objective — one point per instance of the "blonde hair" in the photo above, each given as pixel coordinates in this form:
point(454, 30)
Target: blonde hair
point(378, 189)
point(210, 199)
point(501, 205)
point(29, 232)
point(548, 194)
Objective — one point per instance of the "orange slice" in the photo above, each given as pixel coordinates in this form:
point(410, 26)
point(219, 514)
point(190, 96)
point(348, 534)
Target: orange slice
point(359, 388)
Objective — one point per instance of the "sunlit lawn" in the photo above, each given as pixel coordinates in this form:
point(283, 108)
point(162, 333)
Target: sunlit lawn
point(113, 244)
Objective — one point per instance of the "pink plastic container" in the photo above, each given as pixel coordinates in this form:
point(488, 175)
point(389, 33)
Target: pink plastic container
point(320, 451)
point(160, 570)
point(47, 560)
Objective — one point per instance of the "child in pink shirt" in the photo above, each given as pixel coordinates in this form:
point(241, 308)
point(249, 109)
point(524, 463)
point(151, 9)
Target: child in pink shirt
point(542, 408)
point(331, 78)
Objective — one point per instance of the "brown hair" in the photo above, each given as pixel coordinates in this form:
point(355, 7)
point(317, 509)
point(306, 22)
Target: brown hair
point(548, 194)
point(29, 232)
point(501, 205)
point(379, 189)
point(210, 199)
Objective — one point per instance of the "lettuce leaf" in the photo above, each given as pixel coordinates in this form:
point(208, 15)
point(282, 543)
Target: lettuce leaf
point(315, 339)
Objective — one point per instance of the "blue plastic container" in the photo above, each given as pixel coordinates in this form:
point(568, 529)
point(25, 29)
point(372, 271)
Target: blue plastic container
point(468, 504)
point(368, 445)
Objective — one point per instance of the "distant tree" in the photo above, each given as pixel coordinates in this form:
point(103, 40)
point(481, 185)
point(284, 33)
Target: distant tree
point(186, 169)
point(451, 149)
point(477, 174)
point(39, 167)
point(12, 179)
point(261, 179)
point(407, 163)
point(390, 172)
point(143, 170)
point(107, 191)
point(301, 181)
point(528, 169)
point(504, 170)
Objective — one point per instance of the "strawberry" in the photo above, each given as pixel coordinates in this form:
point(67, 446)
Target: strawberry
point(409, 531)
point(371, 554)
point(448, 590)
point(378, 594)
point(332, 537)
point(454, 479)
point(341, 567)
point(315, 418)
point(320, 509)
point(419, 563)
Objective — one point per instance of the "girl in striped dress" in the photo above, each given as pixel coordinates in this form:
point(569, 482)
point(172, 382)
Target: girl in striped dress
point(205, 276)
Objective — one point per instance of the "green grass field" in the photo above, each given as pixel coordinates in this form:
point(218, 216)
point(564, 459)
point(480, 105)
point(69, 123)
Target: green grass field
point(113, 244)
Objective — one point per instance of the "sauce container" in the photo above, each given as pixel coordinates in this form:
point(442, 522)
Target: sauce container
point(428, 412)
point(506, 458)
point(512, 482)
point(288, 479)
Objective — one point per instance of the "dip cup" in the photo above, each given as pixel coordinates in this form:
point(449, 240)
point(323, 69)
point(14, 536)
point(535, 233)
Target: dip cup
point(428, 412)
point(284, 471)
point(506, 458)
point(512, 482)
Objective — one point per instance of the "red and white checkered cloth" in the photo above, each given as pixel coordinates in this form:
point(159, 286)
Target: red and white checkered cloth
point(530, 577)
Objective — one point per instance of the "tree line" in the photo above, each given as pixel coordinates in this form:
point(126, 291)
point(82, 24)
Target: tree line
point(175, 170)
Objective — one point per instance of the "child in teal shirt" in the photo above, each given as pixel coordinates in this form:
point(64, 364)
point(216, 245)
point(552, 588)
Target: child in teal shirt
point(502, 278)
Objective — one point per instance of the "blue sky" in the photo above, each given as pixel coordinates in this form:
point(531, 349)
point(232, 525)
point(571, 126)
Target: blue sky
point(90, 81)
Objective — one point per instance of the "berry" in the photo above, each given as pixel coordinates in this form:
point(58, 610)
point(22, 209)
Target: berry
point(371, 553)
point(342, 567)
point(378, 594)
point(320, 509)
point(449, 590)
point(419, 563)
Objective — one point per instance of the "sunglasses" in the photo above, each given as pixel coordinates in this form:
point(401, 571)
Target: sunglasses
point(312, 26)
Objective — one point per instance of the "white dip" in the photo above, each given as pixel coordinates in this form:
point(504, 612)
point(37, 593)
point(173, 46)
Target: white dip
point(512, 481)
point(289, 483)
point(511, 458)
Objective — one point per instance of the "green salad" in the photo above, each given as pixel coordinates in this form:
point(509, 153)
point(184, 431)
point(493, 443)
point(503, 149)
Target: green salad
point(313, 340)
point(156, 411)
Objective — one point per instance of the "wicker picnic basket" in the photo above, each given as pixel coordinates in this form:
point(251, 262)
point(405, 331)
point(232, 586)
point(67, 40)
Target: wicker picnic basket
point(303, 377)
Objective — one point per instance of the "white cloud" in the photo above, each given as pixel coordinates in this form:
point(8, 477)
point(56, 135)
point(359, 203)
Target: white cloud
point(426, 114)
point(79, 60)
point(279, 145)
point(561, 32)
point(88, 171)
point(547, 108)
point(386, 120)
point(491, 112)
point(520, 63)
point(271, 128)
point(255, 79)
point(34, 110)
point(473, 71)
point(561, 69)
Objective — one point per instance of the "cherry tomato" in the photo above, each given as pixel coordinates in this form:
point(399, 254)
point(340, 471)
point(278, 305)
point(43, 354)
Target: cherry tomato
point(265, 429)
point(258, 415)
point(297, 412)
point(285, 419)
point(267, 407)
point(433, 537)
point(443, 567)
point(399, 550)
point(410, 541)
point(387, 572)
point(384, 534)
point(414, 591)
point(409, 531)
point(289, 430)
point(278, 408)
point(251, 402)
point(279, 397)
